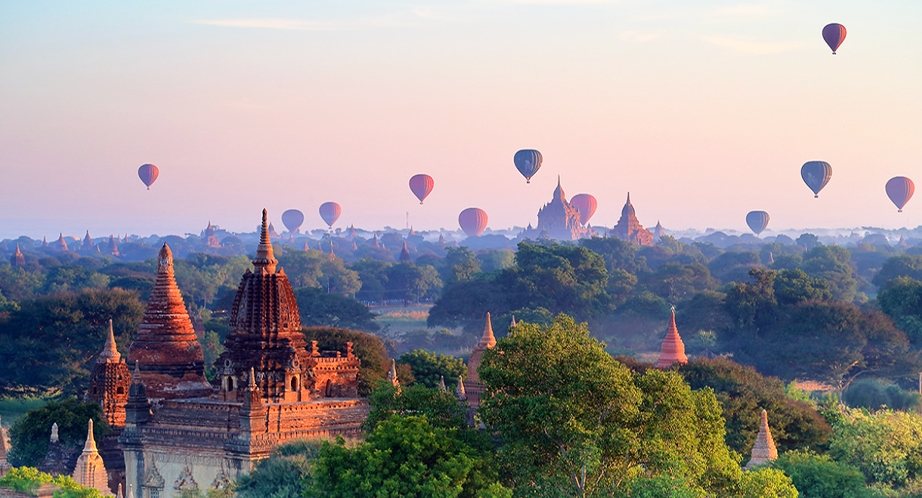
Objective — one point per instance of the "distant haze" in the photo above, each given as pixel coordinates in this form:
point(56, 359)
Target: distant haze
point(702, 110)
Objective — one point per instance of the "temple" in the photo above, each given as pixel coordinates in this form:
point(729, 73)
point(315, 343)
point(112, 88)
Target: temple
point(17, 259)
point(90, 470)
point(672, 350)
point(764, 450)
point(4, 464)
point(629, 229)
point(557, 220)
point(471, 388)
point(272, 387)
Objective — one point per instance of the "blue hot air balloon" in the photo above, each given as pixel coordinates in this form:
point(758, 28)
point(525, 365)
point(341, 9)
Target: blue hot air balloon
point(816, 175)
point(757, 221)
point(527, 161)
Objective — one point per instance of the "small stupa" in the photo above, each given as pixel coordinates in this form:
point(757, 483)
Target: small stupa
point(17, 259)
point(405, 254)
point(4, 465)
point(764, 450)
point(90, 471)
point(392, 374)
point(673, 349)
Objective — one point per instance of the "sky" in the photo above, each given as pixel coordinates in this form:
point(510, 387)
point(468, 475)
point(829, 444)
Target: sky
point(702, 110)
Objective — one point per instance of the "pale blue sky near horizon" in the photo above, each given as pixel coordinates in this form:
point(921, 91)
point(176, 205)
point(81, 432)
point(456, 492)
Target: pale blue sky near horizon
point(702, 110)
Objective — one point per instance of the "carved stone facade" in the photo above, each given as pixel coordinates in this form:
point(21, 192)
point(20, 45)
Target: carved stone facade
point(273, 388)
point(629, 229)
point(557, 220)
point(90, 470)
point(110, 382)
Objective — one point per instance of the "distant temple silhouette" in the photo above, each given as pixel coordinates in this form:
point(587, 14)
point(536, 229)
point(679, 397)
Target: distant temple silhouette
point(557, 220)
point(629, 229)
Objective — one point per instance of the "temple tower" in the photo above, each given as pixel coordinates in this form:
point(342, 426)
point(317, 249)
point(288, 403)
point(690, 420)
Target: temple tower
point(90, 470)
point(170, 356)
point(629, 229)
point(60, 244)
point(405, 254)
point(672, 350)
point(88, 244)
point(763, 451)
point(471, 387)
point(110, 382)
point(113, 246)
point(557, 219)
point(17, 259)
point(266, 336)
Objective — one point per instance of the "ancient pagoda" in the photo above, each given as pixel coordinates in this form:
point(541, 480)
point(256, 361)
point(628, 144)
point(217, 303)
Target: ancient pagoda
point(471, 387)
point(110, 381)
point(672, 350)
point(170, 356)
point(4, 464)
point(557, 219)
point(763, 451)
point(90, 471)
point(17, 259)
point(629, 229)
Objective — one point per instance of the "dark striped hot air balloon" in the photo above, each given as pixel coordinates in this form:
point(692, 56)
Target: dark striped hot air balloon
point(473, 221)
point(757, 221)
point(528, 161)
point(816, 175)
point(148, 174)
point(421, 186)
point(900, 190)
point(586, 205)
point(834, 35)
point(330, 212)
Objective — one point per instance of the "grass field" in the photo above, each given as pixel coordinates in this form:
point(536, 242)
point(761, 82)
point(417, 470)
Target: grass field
point(13, 408)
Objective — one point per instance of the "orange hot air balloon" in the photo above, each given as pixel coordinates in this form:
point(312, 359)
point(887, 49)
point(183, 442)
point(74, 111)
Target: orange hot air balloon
point(900, 190)
point(148, 174)
point(473, 221)
point(421, 185)
point(586, 205)
point(330, 212)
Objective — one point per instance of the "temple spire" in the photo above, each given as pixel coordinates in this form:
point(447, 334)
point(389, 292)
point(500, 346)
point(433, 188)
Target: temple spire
point(392, 374)
point(90, 445)
point(265, 260)
point(764, 450)
point(459, 390)
point(487, 340)
point(54, 433)
point(512, 324)
point(109, 353)
point(673, 349)
point(442, 383)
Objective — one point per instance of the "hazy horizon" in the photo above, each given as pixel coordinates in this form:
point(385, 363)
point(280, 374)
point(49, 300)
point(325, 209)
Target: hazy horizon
point(702, 112)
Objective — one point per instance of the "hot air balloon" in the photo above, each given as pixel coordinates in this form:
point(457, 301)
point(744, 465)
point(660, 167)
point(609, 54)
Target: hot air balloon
point(473, 221)
point(148, 174)
point(586, 205)
point(899, 190)
point(330, 212)
point(421, 185)
point(527, 161)
point(292, 219)
point(834, 34)
point(757, 221)
point(816, 175)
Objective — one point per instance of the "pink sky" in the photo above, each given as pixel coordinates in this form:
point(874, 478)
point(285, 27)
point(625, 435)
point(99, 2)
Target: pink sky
point(703, 113)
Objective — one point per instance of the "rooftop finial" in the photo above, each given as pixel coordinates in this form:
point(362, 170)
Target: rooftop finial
point(264, 257)
point(460, 393)
point(251, 384)
point(109, 353)
point(392, 374)
point(90, 445)
point(488, 340)
point(54, 433)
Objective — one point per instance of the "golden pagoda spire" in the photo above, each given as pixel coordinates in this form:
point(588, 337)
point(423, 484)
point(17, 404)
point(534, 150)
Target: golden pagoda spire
point(265, 259)
point(109, 353)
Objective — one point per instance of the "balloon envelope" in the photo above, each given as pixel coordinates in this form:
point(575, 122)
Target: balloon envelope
point(816, 175)
point(528, 161)
point(834, 34)
point(148, 174)
point(330, 212)
point(292, 220)
point(421, 185)
point(473, 221)
point(586, 205)
point(899, 190)
point(757, 221)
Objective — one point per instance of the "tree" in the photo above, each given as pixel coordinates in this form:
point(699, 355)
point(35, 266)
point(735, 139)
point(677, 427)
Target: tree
point(576, 422)
point(766, 483)
point(428, 368)
point(373, 275)
point(674, 281)
point(833, 264)
point(201, 275)
point(460, 265)
point(734, 265)
point(886, 446)
point(901, 300)
point(743, 393)
point(29, 434)
point(18, 284)
point(464, 303)
point(369, 348)
point(617, 254)
point(284, 474)
point(403, 456)
point(441, 408)
point(795, 286)
point(320, 308)
point(904, 265)
point(818, 476)
point(49, 342)
point(410, 282)
point(26, 479)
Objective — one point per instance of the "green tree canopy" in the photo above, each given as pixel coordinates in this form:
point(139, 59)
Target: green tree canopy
point(30, 434)
point(321, 308)
point(428, 368)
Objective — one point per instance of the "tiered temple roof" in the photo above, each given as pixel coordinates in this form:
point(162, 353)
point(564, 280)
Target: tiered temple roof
point(557, 219)
point(110, 381)
point(672, 350)
point(629, 229)
point(171, 359)
point(17, 259)
point(471, 387)
point(405, 254)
